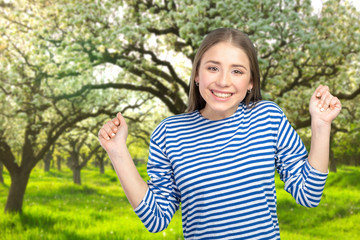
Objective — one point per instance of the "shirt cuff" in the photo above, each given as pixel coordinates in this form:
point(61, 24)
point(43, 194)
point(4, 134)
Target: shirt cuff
point(311, 171)
point(144, 208)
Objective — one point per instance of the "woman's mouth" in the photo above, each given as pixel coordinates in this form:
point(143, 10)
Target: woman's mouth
point(221, 95)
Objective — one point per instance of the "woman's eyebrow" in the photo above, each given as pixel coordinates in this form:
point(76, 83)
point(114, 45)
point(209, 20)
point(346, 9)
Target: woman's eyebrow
point(233, 65)
point(239, 65)
point(214, 62)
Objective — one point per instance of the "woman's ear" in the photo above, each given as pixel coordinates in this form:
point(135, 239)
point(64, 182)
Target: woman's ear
point(197, 79)
point(251, 85)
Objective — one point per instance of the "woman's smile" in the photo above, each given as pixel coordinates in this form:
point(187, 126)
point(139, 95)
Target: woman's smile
point(222, 95)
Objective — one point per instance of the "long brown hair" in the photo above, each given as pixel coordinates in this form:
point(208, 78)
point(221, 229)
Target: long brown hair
point(238, 39)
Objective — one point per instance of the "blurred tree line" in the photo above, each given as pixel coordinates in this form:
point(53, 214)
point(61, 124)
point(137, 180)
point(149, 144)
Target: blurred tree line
point(67, 66)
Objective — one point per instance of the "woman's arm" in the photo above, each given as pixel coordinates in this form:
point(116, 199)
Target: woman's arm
point(154, 202)
point(112, 137)
point(323, 108)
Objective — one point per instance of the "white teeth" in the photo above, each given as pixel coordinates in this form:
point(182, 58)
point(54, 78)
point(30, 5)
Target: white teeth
point(222, 95)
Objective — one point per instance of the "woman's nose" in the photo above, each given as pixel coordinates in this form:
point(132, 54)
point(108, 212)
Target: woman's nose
point(223, 80)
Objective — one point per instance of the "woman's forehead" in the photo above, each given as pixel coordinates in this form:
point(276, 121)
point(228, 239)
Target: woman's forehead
point(225, 53)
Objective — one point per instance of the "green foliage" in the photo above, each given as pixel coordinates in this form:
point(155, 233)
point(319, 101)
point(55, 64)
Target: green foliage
point(346, 146)
point(149, 45)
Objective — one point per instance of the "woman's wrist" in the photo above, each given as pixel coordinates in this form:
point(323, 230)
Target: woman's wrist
point(320, 125)
point(119, 153)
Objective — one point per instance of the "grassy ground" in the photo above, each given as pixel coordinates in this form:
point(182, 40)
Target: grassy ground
point(337, 217)
point(55, 208)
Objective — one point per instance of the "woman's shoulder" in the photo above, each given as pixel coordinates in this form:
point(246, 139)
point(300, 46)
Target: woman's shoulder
point(176, 121)
point(265, 107)
point(179, 118)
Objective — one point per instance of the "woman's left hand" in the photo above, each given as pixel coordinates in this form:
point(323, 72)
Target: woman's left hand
point(324, 107)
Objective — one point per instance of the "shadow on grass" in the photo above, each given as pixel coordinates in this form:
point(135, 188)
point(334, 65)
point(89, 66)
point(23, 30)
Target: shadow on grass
point(59, 174)
point(349, 177)
point(44, 222)
point(70, 235)
point(103, 179)
point(71, 197)
point(296, 217)
point(78, 189)
point(69, 190)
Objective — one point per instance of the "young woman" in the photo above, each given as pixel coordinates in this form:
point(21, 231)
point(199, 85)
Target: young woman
point(219, 158)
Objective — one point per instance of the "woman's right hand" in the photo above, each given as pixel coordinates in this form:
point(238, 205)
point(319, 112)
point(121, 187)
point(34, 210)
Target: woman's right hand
point(112, 136)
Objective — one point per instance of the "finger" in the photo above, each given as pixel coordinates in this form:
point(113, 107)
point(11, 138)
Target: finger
point(325, 101)
point(121, 119)
point(108, 129)
point(321, 90)
point(322, 94)
point(321, 99)
point(335, 103)
point(116, 120)
point(317, 93)
point(103, 134)
point(112, 126)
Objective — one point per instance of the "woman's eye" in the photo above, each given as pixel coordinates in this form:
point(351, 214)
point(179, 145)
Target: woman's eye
point(237, 72)
point(213, 69)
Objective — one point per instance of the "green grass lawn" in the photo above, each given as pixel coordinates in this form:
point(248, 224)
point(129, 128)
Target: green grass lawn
point(55, 208)
point(337, 217)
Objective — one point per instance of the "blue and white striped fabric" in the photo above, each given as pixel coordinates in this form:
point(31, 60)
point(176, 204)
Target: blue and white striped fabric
point(222, 172)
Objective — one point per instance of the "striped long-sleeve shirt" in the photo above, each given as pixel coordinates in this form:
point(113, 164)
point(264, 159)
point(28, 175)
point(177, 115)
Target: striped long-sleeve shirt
point(223, 171)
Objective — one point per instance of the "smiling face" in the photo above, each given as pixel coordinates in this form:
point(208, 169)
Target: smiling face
point(224, 77)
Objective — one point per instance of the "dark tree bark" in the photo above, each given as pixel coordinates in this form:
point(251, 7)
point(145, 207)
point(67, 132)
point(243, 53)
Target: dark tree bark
point(76, 175)
point(101, 165)
point(1, 172)
point(47, 164)
point(78, 161)
point(58, 163)
point(100, 160)
point(73, 163)
point(48, 158)
point(18, 185)
point(333, 167)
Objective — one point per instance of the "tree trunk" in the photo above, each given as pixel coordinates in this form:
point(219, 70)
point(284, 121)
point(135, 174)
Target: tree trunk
point(47, 159)
point(1, 172)
point(18, 185)
point(76, 175)
point(332, 162)
point(58, 162)
point(47, 162)
point(101, 165)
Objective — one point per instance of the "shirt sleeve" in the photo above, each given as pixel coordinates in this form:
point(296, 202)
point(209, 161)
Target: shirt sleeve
point(302, 181)
point(162, 199)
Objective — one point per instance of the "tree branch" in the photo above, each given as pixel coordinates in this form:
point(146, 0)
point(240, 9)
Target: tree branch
point(167, 65)
point(348, 96)
point(165, 31)
point(7, 157)
point(161, 95)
